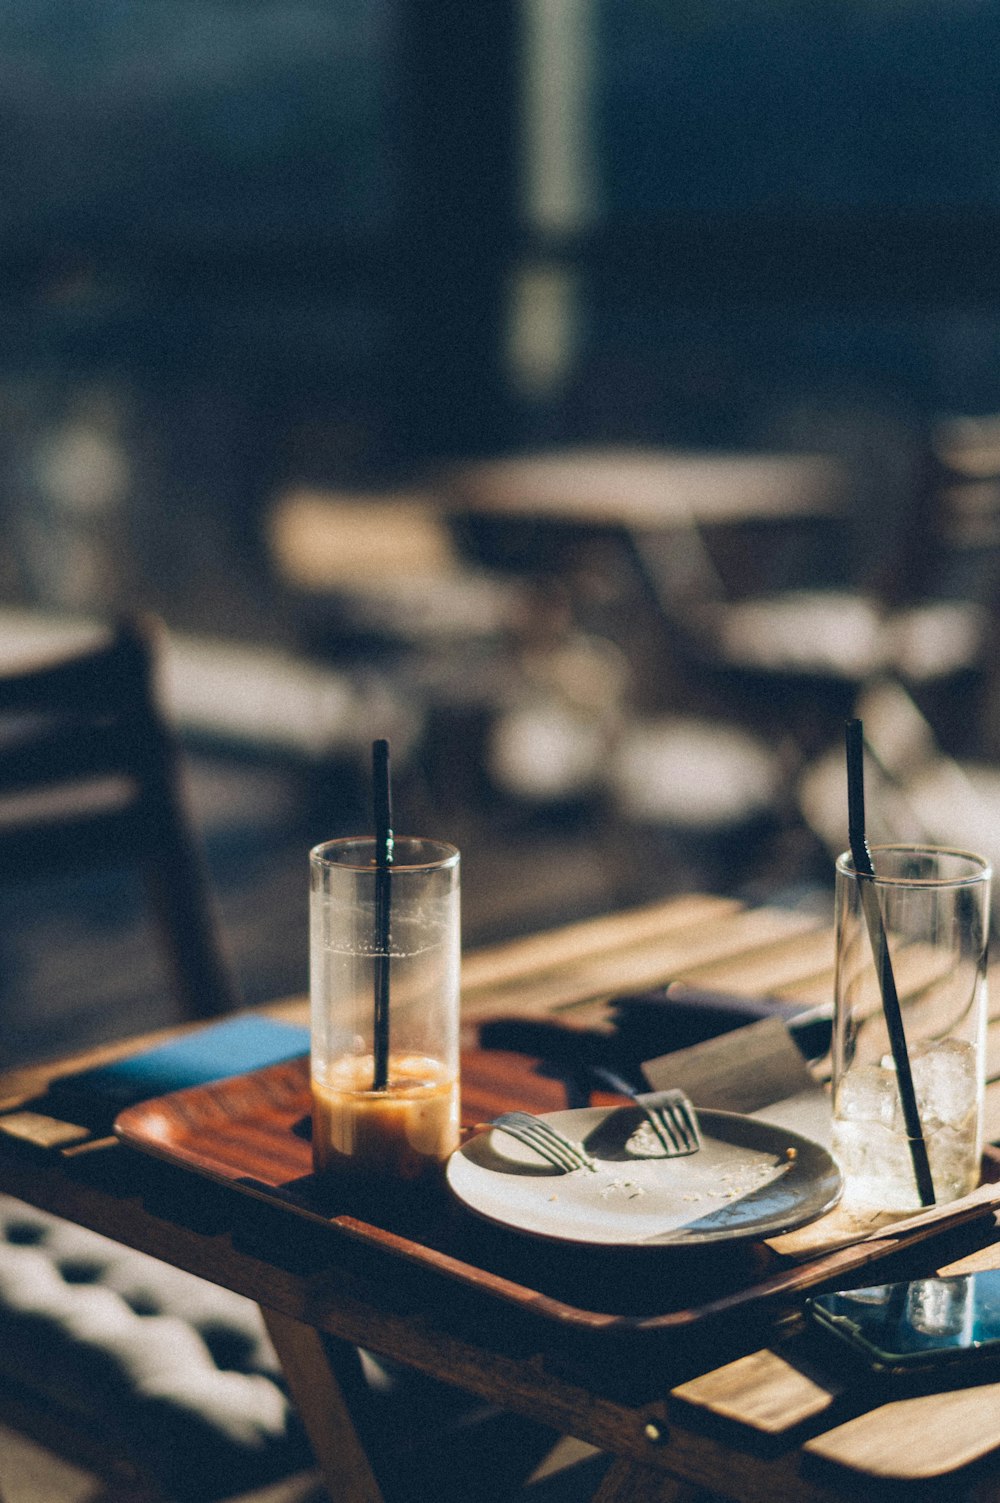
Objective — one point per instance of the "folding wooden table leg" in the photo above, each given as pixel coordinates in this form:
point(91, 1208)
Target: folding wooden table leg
point(324, 1409)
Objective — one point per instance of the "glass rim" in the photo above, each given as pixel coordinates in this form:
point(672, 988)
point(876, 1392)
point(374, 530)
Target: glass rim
point(325, 854)
point(980, 868)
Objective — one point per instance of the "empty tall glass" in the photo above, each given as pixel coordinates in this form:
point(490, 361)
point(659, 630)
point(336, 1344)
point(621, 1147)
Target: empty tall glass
point(935, 906)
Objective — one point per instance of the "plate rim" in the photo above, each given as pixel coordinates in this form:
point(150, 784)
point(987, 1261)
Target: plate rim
point(667, 1241)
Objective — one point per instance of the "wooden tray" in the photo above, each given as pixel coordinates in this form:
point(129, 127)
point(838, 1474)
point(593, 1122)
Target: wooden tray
point(251, 1132)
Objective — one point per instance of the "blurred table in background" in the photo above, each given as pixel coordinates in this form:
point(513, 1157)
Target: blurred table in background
point(644, 488)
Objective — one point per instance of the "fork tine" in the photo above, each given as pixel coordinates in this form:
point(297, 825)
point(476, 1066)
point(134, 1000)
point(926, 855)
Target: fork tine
point(544, 1132)
point(550, 1148)
point(544, 1150)
point(553, 1152)
point(690, 1121)
point(669, 1113)
point(672, 1138)
point(678, 1111)
point(556, 1153)
point(544, 1139)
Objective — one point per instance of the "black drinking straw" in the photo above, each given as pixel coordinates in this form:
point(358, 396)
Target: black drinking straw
point(382, 800)
point(865, 875)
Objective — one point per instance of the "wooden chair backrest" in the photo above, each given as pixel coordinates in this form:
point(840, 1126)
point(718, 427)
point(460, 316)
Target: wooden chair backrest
point(90, 779)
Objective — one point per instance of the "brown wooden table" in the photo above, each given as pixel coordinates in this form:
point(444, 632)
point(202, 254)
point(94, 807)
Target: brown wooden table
point(742, 1404)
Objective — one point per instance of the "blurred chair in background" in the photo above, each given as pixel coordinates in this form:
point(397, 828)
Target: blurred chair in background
point(900, 587)
point(380, 590)
point(380, 570)
point(915, 791)
point(161, 1384)
point(90, 780)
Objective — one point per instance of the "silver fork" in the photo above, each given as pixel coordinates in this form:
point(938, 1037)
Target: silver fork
point(670, 1113)
point(550, 1144)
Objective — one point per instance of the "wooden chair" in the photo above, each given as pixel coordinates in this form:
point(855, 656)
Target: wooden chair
point(90, 780)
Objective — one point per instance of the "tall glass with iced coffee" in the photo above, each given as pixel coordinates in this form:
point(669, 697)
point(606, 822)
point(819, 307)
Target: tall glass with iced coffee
point(384, 983)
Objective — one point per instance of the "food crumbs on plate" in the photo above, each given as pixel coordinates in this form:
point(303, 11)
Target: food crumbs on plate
point(791, 1153)
point(628, 1187)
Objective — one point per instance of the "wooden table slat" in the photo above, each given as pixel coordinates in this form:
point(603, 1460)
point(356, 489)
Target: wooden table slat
point(783, 967)
point(538, 953)
point(915, 1439)
point(772, 1391)
point(813, 990)
point(653, 962)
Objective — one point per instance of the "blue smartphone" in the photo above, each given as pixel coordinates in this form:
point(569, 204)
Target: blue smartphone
point(917, 1325)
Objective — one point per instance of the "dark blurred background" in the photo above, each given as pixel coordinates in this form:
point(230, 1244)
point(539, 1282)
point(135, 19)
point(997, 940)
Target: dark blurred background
point(600, 400)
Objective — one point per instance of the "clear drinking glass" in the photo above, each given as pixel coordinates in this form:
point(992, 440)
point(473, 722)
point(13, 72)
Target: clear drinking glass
point(935, 906)
point(385, 1102)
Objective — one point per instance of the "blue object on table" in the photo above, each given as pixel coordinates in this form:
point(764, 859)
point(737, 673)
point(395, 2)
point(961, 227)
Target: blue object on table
point(235, 1046)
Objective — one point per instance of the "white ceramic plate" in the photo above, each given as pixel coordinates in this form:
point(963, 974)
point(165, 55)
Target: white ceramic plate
point(750, 1179)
